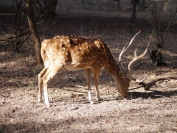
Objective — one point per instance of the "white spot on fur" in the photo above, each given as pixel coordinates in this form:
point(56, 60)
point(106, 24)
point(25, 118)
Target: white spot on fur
point(44, 44)
point(46, 63)
point(50, 50)
point(75, 62)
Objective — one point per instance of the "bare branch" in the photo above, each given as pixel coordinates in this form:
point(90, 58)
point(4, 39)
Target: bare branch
point(157, 20)
point(147, 86)
point(168, 25)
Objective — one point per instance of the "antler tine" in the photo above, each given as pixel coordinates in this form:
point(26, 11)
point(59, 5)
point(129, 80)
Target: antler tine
point(135, 58)
point(126, 47)
point(120, 55)
point(135, 52)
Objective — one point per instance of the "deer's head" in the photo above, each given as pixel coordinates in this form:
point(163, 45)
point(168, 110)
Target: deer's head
point(126, 74)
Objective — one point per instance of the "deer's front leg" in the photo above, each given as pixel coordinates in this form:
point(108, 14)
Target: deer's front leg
point(89, 80)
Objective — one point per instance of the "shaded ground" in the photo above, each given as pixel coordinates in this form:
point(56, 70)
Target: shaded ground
point(150, 111)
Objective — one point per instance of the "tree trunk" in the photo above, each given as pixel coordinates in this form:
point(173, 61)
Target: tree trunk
point(52, 9)
point(33, 30)
point(134, 3)
point(118, 4)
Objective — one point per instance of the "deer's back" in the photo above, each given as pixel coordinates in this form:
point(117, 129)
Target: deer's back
point(73, 52)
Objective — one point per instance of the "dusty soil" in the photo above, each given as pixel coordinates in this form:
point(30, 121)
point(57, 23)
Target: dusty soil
point(145, 111)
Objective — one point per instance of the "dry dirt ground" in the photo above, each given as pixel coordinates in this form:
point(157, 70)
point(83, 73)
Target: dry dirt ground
point(145, 111)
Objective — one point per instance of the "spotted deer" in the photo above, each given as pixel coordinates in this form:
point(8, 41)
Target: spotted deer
point(76, 53)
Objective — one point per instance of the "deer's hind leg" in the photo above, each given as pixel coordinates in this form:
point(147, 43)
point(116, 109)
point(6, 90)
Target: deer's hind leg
point(96, 80)
point(89, 81)
point(47, 73)
point(40, 83)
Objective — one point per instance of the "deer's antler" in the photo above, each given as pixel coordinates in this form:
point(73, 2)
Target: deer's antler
point(126, 47)
point(123, 51)
point(135, 58)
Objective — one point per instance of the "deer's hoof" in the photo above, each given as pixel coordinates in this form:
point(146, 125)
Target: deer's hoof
point(100, 99)
point(47, 103)
point(91, 102)
point(39, 99)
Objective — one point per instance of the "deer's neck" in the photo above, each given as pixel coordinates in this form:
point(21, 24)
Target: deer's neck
point(112, 67)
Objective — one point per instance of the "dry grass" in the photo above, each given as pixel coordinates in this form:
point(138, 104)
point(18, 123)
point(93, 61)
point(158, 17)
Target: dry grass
point(150, 111)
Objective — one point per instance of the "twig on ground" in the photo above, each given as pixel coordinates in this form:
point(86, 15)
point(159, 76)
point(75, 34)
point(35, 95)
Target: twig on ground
point(147, 86)
point(16, 82)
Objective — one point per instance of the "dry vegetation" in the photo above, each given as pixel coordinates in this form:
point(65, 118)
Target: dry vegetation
point(145, 111)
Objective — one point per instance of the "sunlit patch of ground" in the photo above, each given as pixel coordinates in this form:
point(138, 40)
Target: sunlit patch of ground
point(145, 111)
